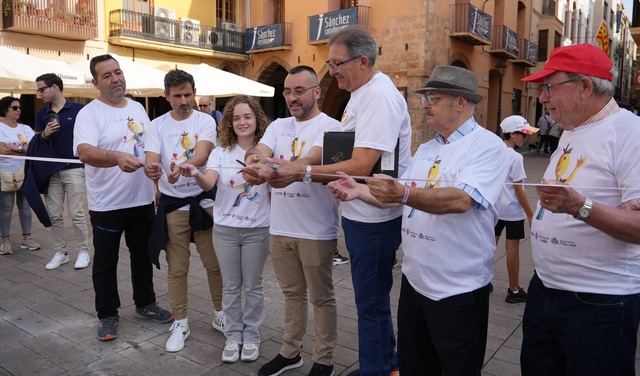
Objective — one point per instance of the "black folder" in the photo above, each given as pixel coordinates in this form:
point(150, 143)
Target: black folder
point(338, 147)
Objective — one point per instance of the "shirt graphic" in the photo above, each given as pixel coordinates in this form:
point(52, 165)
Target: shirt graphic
point(138, 141)
point(431, 180)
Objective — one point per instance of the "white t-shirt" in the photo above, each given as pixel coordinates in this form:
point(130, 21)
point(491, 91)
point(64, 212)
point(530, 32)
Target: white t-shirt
point(568, 253)
point(114, 129)
point(451, 254)
point(377, 112)
point(307, 211)
point(238, 204)
point(509, 208)
point(20, 135)
point(175, 141)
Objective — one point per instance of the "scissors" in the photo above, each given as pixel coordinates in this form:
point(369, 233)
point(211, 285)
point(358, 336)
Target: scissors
point(245, 165)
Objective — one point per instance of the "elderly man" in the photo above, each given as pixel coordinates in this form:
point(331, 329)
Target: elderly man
point(450, 200)
point(206, 104)
point(109, 137)
point(378, 115)
point(583, 310)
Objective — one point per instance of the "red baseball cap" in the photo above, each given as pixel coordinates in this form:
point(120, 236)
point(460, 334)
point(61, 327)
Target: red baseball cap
point(583, 58)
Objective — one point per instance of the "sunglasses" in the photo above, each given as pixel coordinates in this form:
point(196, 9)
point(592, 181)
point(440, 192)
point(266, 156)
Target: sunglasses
point(16, 108)
point(203, 105)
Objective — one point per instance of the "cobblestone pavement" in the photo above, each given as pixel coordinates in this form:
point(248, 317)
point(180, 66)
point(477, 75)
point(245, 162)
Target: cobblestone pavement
point(48, 324)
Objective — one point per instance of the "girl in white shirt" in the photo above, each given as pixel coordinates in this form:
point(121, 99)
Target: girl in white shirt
point(241, 229)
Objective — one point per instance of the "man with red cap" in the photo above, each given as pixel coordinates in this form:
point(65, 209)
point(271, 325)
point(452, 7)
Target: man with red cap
point(583, 306)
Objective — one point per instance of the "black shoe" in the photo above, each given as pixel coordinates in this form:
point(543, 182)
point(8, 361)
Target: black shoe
point(516, 297)
point(490, 287)
point(338, 259)
point(280, 364)
point(108, 328)
point(321, 370)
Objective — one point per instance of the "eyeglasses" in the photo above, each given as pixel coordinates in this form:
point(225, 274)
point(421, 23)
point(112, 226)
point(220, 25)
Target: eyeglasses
point(431, 98)
point(297, 91)
point(203, 105)
point(547, 87)
point(335, 66)
point(16, 108)
point(42, 89)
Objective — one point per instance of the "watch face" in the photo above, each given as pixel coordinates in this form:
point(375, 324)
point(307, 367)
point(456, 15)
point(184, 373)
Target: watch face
point(584, 212)
point(306, 179)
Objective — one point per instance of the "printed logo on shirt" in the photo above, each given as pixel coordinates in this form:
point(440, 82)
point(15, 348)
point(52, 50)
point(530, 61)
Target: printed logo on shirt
point(187, 146)
point(246, 192)
point(297, 148)
point(432, 182)
point(563, 165)
point(138, 132)
point(418, 235)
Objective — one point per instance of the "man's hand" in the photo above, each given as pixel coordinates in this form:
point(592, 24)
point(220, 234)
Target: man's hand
point(128, 162)
point(188, 170)
point(50, 128)
point(153, 171)
point(286, 173)
point(174, 175)
point(345, 188)
point(559, 197)
point(385, 189)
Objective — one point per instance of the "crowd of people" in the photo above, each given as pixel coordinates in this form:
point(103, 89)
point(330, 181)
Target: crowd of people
point(242, 189)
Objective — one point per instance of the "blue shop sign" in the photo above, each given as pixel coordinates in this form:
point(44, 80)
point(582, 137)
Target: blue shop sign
point(323, 26)
point(263, 37)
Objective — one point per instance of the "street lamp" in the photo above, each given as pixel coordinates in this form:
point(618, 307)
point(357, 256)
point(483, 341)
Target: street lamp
point(501, 67)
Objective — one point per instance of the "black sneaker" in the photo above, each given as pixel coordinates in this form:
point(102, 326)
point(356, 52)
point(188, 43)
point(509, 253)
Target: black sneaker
point(108, 328)
point(155, 313)
point(338, 259)
point(280, 364)
point(516, 297)
point(321, 370)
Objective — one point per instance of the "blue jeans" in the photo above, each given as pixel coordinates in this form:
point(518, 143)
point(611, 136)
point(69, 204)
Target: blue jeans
point(570, 333)
point(372, 248)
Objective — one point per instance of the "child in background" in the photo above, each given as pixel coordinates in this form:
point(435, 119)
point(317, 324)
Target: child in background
point(513, 205)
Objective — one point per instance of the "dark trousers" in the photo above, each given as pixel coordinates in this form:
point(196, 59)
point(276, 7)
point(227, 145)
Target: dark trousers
point(108, 227)
point(543, 143)
point(447, 337)
point(372, 248)
point(578, 334)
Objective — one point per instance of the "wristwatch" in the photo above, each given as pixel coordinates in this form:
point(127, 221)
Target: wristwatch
point(585, 211)
point(307, 176)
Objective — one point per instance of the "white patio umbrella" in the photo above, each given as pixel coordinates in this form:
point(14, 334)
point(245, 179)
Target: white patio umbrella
point(142, 80)
point(219, 83)
point(18, 71)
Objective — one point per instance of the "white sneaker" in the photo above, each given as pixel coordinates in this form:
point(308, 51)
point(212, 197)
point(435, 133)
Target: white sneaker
point(179, 333)
point(218, 320)
point(230, 354)
point(5, 247)
point(250, 351)
point(30, 244)
point(83, 260)
point(58, 259)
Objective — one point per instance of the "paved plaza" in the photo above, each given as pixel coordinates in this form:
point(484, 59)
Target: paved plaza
point(48, 325)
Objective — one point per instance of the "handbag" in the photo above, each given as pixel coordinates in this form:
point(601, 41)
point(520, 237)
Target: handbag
point(10, 182)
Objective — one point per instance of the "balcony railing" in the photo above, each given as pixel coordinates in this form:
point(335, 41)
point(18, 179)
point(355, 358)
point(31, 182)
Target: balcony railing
point(470, 25)
point(69, 19)
point(126, 23)
point(528, 54)
point(505, 43)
